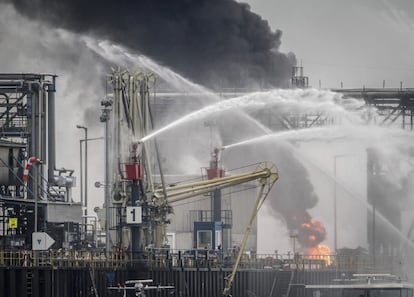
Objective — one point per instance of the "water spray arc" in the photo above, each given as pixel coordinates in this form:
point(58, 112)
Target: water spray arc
point(299, 100)
point(324, 105)
point(315, 134)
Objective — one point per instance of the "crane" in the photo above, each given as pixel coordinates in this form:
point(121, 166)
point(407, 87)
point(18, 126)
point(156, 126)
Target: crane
point(164, 195)
point(266, 185)
point(265, 173)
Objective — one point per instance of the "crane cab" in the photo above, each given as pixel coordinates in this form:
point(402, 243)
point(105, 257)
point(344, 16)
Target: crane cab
point(208, 235)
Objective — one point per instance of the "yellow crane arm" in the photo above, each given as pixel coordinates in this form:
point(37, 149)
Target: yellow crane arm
point(261, 197)
point(267, 175)
point(180, 192)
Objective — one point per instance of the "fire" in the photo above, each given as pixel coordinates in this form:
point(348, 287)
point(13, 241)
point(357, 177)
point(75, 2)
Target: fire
point(313, 232)
point(320, 251)
point(310, 234)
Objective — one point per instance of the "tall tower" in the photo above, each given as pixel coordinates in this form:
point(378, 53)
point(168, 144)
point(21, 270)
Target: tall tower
point(298, 80)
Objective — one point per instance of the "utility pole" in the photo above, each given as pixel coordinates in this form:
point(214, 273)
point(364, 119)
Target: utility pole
point(85, 129)
point(106, 103)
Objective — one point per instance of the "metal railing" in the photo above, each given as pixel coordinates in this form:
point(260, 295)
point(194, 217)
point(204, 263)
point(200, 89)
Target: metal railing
point(171, 259)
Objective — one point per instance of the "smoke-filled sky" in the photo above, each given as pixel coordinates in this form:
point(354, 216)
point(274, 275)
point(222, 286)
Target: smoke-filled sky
point(356, 42)
point(219, 43)
point(224, 43)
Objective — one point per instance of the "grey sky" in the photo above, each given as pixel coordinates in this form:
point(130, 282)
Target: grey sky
point(358, 42)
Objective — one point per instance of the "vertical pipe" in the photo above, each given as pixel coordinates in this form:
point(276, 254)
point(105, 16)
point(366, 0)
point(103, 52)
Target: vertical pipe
point(81, 172)
point(39, 133)
point(43, 125)
point(335, 214)
point(35, 193)
point(42, 139)
point(30, 116)
point(373, 229)
point(403, 117)
point(107, 215)
point(51, 141)
point(217, 206)
point(85, 199)
point(31, 140)
point(135, 230)
point(3, 214)
point(35, 150)
point(86, 172)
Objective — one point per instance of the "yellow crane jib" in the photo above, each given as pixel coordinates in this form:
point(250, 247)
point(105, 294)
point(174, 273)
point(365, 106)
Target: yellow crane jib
point(265, 172)
point(264, 191)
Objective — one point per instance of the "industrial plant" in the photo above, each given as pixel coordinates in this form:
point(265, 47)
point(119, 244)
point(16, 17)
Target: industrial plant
point(178, 148)
point(191, 235)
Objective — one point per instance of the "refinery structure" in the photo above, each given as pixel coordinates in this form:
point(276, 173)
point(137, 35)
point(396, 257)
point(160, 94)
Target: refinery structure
point(29, 164)
point(196, 233)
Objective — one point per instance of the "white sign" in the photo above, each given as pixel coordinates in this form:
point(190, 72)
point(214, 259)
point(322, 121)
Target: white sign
point(41, 241)
point(134, 215)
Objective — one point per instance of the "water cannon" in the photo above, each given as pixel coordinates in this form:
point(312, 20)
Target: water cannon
point(135, 152)
point(134, 169)
point(215, 171)
point(216, 151)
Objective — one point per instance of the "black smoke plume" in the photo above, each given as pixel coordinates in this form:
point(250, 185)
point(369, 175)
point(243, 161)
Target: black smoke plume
point(219, 43)
point(293, 194)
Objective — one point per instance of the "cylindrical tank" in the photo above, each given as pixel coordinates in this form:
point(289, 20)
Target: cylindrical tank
point(11, 169)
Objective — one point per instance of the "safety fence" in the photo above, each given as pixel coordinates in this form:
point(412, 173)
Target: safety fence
point(162, 259)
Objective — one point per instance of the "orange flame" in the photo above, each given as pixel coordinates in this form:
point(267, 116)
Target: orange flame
point(314, 232)
point(310, 234)
point(320, 251)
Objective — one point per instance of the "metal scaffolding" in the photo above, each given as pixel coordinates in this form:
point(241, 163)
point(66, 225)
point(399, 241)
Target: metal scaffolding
point(29, 180)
